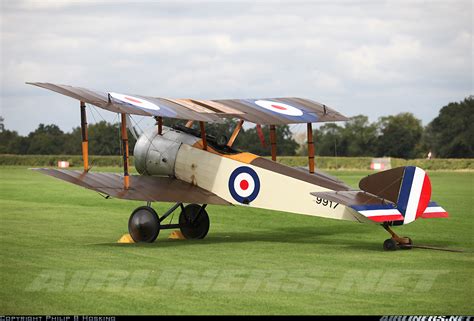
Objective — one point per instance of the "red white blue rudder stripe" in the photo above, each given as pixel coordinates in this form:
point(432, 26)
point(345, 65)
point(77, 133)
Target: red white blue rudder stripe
point(414, 195)
point(434, 211)
point(380, 213)
point(409, 201)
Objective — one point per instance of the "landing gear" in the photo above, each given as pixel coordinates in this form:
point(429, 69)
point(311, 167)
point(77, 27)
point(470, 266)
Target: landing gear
point(396, 242)
point(194, 221)
point(408, 245)
point(390, 245)
point(144, 224)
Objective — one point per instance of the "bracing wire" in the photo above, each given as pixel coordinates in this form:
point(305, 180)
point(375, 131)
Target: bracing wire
point(146, 136)
point(134, 123)
point(116, 119)
point(90, 109)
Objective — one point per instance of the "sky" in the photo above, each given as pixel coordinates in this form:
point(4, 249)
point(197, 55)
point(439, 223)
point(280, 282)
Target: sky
point(375, 58)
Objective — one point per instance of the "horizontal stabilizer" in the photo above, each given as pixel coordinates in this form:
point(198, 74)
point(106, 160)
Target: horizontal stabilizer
point(142, 188)
point(434, 211)
point(368, 205)
point(399, 195)
point(379, 212)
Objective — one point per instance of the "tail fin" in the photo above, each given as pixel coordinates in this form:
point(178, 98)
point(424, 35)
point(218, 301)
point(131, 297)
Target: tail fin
point(396, 196)
point(408, 187)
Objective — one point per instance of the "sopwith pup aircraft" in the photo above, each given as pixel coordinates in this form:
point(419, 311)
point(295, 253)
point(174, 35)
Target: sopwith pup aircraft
point(182, 164)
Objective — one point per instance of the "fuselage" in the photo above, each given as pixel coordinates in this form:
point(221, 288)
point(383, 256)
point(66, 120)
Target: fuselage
point(238, 177)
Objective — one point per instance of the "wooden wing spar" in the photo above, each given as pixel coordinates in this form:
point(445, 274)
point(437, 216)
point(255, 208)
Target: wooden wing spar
point(268, 111)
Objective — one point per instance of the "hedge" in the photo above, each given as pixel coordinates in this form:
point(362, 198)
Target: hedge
point(364, 163)
point(360, 163)
point(52, 160)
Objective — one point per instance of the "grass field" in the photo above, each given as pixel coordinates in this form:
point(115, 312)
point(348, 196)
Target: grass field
point(58, 255)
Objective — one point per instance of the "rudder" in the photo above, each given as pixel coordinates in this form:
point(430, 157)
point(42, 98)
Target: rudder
point(409, 187)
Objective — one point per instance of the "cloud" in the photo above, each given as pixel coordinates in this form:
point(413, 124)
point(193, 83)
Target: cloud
point(367, 57)
point(374, 63)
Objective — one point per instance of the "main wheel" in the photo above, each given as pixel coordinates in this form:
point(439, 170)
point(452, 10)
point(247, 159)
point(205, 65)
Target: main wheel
point(144, 225)
point(194, 225)
point(390, 245)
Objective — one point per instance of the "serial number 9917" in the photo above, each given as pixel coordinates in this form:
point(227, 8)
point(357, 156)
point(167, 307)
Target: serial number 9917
point(324, 202)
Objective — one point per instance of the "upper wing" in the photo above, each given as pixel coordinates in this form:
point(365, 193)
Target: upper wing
point(131, 104)
point(271, 111)
point(143, 188)
point(288, 110)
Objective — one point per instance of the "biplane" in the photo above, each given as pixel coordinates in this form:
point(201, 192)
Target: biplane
point(182, 164)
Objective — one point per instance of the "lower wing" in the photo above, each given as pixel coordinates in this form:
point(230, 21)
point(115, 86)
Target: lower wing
point(142, 188)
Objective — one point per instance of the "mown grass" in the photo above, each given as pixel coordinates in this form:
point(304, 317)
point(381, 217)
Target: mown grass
point(58, 255)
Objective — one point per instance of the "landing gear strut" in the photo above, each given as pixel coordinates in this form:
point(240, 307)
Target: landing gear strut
point(144, 224)
point(396, 242)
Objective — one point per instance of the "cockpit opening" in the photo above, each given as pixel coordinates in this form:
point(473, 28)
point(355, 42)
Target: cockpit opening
point(219, 143)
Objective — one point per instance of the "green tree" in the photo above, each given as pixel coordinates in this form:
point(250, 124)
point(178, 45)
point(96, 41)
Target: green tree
point(399, 135)
point(226, 128)
point(73, 142)
point(249, 141)
point(329, 140)
point(451, 134)
point(360, 136)
point(105, 139)
point(46, 140)
point(12, 143)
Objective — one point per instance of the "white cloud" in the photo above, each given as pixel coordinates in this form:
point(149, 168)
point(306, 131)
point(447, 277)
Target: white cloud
point(375, 63)
point(414, 56)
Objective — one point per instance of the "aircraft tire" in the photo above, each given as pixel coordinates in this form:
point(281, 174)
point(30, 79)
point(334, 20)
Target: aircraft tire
point(144, 225)
point(193, 226)
point(390, 245)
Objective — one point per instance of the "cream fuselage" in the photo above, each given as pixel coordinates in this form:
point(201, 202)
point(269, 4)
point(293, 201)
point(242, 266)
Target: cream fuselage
point(179, 154)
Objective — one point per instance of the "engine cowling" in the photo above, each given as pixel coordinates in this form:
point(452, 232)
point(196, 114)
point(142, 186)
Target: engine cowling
point(156, 154)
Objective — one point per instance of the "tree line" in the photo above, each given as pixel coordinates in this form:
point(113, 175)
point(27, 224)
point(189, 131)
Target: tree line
point(449, 135)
